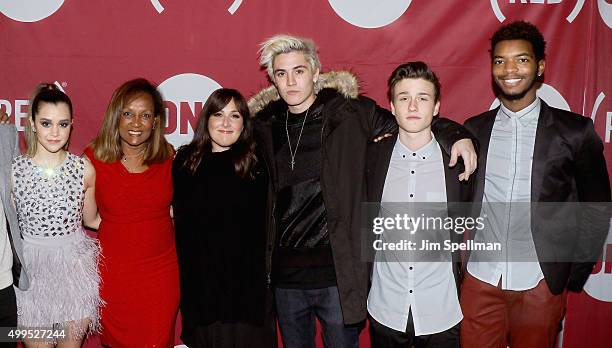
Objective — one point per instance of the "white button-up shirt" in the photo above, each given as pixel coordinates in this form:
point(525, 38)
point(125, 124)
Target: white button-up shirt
point(426, 288)
point(506, 202)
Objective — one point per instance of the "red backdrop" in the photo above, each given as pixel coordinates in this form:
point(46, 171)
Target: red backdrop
point(191, 47)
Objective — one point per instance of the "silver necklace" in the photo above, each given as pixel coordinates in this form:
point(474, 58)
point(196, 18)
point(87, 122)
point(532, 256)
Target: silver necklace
point(291, 152)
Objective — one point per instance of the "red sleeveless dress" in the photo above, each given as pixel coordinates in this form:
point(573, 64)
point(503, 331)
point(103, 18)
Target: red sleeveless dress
point(138, 267)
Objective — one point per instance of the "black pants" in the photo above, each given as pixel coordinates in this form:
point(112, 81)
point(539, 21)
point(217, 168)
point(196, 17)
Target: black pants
point(8, 312)
point(236, 334)
point(384, 337)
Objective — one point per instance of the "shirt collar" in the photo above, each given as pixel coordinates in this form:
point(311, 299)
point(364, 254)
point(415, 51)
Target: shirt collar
point(422, 154)
point(526, 115)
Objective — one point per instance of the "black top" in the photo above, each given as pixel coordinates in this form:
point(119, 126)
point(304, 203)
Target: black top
point(303, 254)
point(220, 241)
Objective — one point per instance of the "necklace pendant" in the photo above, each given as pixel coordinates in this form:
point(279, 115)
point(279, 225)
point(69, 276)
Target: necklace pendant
point(291, 152)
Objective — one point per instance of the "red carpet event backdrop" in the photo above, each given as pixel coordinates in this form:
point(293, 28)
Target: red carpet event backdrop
point(190, 48)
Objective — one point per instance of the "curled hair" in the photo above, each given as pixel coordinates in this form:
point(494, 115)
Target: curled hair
point(521, 30)
point(107, 145)
point(44, 93)
point(279, 44)
point(201, 144)
point(413, 70)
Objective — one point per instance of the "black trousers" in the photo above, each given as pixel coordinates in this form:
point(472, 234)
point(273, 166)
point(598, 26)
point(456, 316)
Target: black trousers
point(8, 312)
point(384, 337)
point(236, 334)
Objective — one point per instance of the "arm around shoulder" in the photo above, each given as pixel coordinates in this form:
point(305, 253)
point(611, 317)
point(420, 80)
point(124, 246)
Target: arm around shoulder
point(457, 141)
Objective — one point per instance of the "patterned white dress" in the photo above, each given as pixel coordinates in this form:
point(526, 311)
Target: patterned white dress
point(61, 259)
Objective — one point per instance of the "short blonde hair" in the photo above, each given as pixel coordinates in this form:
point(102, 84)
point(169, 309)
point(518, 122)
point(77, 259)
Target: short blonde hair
point(279, 44)
point(107, 145)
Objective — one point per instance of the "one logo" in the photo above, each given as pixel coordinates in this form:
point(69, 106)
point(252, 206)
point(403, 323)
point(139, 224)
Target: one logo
point(370, 13)
point(599, 284)
point(605, 11)
point(548, 94)
point(184, 96)
point(570, 17)
point(29, 10)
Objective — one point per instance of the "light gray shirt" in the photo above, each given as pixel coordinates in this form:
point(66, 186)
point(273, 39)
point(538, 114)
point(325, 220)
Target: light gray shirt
point(8, 150)
point(506, 207)
point(6, 255)
point(426, 288)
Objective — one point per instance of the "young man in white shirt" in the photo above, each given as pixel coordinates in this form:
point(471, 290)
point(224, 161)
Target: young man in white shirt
point(414, 301)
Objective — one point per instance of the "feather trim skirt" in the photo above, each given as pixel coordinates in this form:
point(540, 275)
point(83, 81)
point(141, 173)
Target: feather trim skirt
point(64, 284)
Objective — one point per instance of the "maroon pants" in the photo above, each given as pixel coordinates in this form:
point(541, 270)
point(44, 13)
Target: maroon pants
point(496, 318)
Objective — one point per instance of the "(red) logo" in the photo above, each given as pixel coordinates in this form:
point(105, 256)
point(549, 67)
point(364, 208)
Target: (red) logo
point(570, 17)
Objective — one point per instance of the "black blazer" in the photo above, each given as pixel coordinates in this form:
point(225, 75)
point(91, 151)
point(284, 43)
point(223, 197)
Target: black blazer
point(568, 166)
point(378, 160)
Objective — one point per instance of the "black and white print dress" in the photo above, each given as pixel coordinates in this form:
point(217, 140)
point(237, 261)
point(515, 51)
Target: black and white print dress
point(60, 258)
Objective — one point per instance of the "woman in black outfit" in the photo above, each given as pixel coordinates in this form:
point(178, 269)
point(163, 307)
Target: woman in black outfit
point(219, 212)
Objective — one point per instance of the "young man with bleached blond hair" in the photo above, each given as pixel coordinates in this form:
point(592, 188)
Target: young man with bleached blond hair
point(314, 129)
point(413, 300)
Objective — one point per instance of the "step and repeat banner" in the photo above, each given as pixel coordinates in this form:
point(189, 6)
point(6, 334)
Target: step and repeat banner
point(190, 48)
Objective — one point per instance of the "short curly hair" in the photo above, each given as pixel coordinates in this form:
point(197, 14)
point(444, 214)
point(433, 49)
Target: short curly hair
point(521, 30)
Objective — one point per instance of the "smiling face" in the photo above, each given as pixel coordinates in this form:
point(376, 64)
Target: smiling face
point(136, 122)
point(515, 71)
point(295, 79)
point(414, 106)
point(52, 126)
point(225, 126)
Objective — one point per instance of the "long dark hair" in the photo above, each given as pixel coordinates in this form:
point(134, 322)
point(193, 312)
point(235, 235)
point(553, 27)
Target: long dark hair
point(201, 144)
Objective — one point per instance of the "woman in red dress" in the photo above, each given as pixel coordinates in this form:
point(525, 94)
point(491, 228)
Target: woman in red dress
point(139, 271)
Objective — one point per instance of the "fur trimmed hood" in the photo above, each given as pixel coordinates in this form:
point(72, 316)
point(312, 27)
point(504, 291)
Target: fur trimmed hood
point(342, 81)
